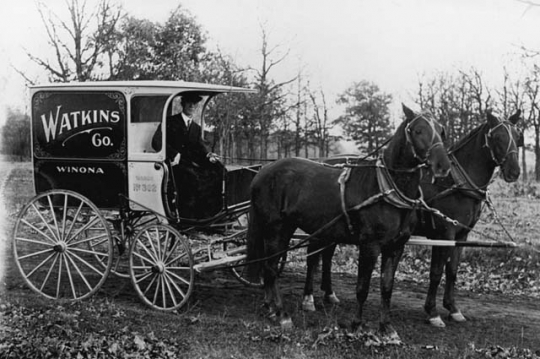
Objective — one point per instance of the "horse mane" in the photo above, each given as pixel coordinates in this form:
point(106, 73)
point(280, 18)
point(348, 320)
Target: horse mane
point(466, 138)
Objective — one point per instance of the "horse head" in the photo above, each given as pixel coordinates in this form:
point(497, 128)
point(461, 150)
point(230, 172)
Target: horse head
point(503, 140)
point(425, 136)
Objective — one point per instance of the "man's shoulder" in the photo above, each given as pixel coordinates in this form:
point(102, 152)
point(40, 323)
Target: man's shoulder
point(178, 116)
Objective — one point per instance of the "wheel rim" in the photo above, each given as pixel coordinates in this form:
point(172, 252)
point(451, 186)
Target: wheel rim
point(62, 245)
point(120, 266)
point(239, 270)
point(239, 239)
point(161, 267)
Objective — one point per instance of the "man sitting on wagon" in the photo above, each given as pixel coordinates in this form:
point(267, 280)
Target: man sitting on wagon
point(197, 172)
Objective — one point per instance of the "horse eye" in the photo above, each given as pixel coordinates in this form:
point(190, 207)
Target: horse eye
point(417, 132)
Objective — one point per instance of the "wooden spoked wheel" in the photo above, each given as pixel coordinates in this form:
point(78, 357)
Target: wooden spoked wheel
point(62, 245)
point(239, 271)
point(161, 267)
point(122, 240)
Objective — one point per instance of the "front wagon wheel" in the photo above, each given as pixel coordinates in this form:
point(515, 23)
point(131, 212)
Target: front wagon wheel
point(62, 245)
point(161, 267)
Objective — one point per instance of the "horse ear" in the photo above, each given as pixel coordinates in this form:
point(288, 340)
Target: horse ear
point(491, 119)
point(409, 114)
point(515, 117)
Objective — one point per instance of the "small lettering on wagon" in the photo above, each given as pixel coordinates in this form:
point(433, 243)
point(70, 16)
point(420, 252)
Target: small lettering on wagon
point(80, 169)
point(144, 187)
point(144, 178)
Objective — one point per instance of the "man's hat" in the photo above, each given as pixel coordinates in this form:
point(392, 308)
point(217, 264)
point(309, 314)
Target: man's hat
point(191, 98)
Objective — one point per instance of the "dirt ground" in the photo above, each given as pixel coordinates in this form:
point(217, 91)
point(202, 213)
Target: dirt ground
point(492, 319)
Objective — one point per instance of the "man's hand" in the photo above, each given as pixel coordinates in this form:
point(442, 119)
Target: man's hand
point(176, 160)
point(212, 157)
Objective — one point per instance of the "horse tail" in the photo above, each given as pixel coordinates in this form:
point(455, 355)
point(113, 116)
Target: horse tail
point(255, 247)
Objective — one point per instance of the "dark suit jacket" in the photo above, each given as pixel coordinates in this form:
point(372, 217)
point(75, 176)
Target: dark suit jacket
point(187, 142)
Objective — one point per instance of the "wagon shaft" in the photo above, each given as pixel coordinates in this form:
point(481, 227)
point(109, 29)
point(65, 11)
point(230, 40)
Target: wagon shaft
point(218, 263)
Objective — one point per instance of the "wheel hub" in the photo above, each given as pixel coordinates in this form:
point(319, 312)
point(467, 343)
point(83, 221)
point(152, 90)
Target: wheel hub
point(159, 268)
point(60, 247)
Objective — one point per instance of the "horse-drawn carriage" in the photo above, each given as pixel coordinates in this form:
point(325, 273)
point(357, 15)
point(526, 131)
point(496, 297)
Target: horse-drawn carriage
point(106, 200)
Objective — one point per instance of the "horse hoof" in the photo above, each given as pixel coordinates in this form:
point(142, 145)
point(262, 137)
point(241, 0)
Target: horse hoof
point(436, 322)
point(308, 307)
point(391, 336)
point(457, 317)
point(286, 324)
point(331, 298)
point(308, 304)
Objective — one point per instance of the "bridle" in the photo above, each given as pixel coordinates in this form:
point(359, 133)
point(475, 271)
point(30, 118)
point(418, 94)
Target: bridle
point(511, 148)
point(434, 141)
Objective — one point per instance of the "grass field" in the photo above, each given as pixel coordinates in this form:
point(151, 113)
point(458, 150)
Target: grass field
point(500, 290)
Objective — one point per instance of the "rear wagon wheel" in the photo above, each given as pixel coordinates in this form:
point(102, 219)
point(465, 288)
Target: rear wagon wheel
point(161, 267)
point(62, 245)
point(238, 269)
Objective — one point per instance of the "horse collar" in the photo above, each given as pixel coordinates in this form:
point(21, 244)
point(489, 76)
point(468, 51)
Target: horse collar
point(464, 182)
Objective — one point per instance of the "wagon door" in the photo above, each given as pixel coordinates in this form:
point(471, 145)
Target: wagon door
point(79, 143)
point(146, 169)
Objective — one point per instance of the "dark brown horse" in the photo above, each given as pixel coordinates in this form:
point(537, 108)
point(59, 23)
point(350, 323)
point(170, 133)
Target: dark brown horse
point(371, 206)
point(460, 197)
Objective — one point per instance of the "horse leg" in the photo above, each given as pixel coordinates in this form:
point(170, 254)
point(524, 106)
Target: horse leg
point(308, 303)
point(366, 262)
point(449, 300)
point(389, 262)
point(326, 283)
point(438, 261)
point(278, 244)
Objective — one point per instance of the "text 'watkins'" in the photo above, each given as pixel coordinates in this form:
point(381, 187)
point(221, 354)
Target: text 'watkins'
point(61, 122)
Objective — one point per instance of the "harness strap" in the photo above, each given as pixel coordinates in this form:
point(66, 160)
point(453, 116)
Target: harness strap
point(394, 196)
point(462, 181)
point(388, 192)
point(342, 180)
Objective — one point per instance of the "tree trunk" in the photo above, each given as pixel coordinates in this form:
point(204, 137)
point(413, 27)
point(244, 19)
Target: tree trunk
point(524, 174)
point(537, 152)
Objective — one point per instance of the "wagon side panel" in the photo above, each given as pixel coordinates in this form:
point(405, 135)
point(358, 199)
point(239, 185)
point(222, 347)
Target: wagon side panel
point(79, 143)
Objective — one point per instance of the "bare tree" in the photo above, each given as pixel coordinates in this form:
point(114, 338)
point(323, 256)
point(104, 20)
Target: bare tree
point(79, 42)
point(532, 93)
point(320, 122)
point(459, 102)
point(270, 100)
point(511, 97)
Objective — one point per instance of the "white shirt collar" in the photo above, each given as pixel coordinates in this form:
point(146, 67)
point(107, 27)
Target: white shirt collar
point(187, 120)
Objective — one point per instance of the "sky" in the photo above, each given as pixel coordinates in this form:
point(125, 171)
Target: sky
point(389, 42)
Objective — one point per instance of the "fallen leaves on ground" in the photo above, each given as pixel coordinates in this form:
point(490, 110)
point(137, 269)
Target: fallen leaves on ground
point(59, 332)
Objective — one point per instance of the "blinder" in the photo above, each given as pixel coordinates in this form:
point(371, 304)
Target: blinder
point(510, 148)
point(434, 141)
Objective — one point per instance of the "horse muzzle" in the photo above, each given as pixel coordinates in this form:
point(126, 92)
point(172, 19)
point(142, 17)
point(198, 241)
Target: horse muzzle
point(439, 162)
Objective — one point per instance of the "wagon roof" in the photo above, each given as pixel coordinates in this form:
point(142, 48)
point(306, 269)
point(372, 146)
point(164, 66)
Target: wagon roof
point(171, 86)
